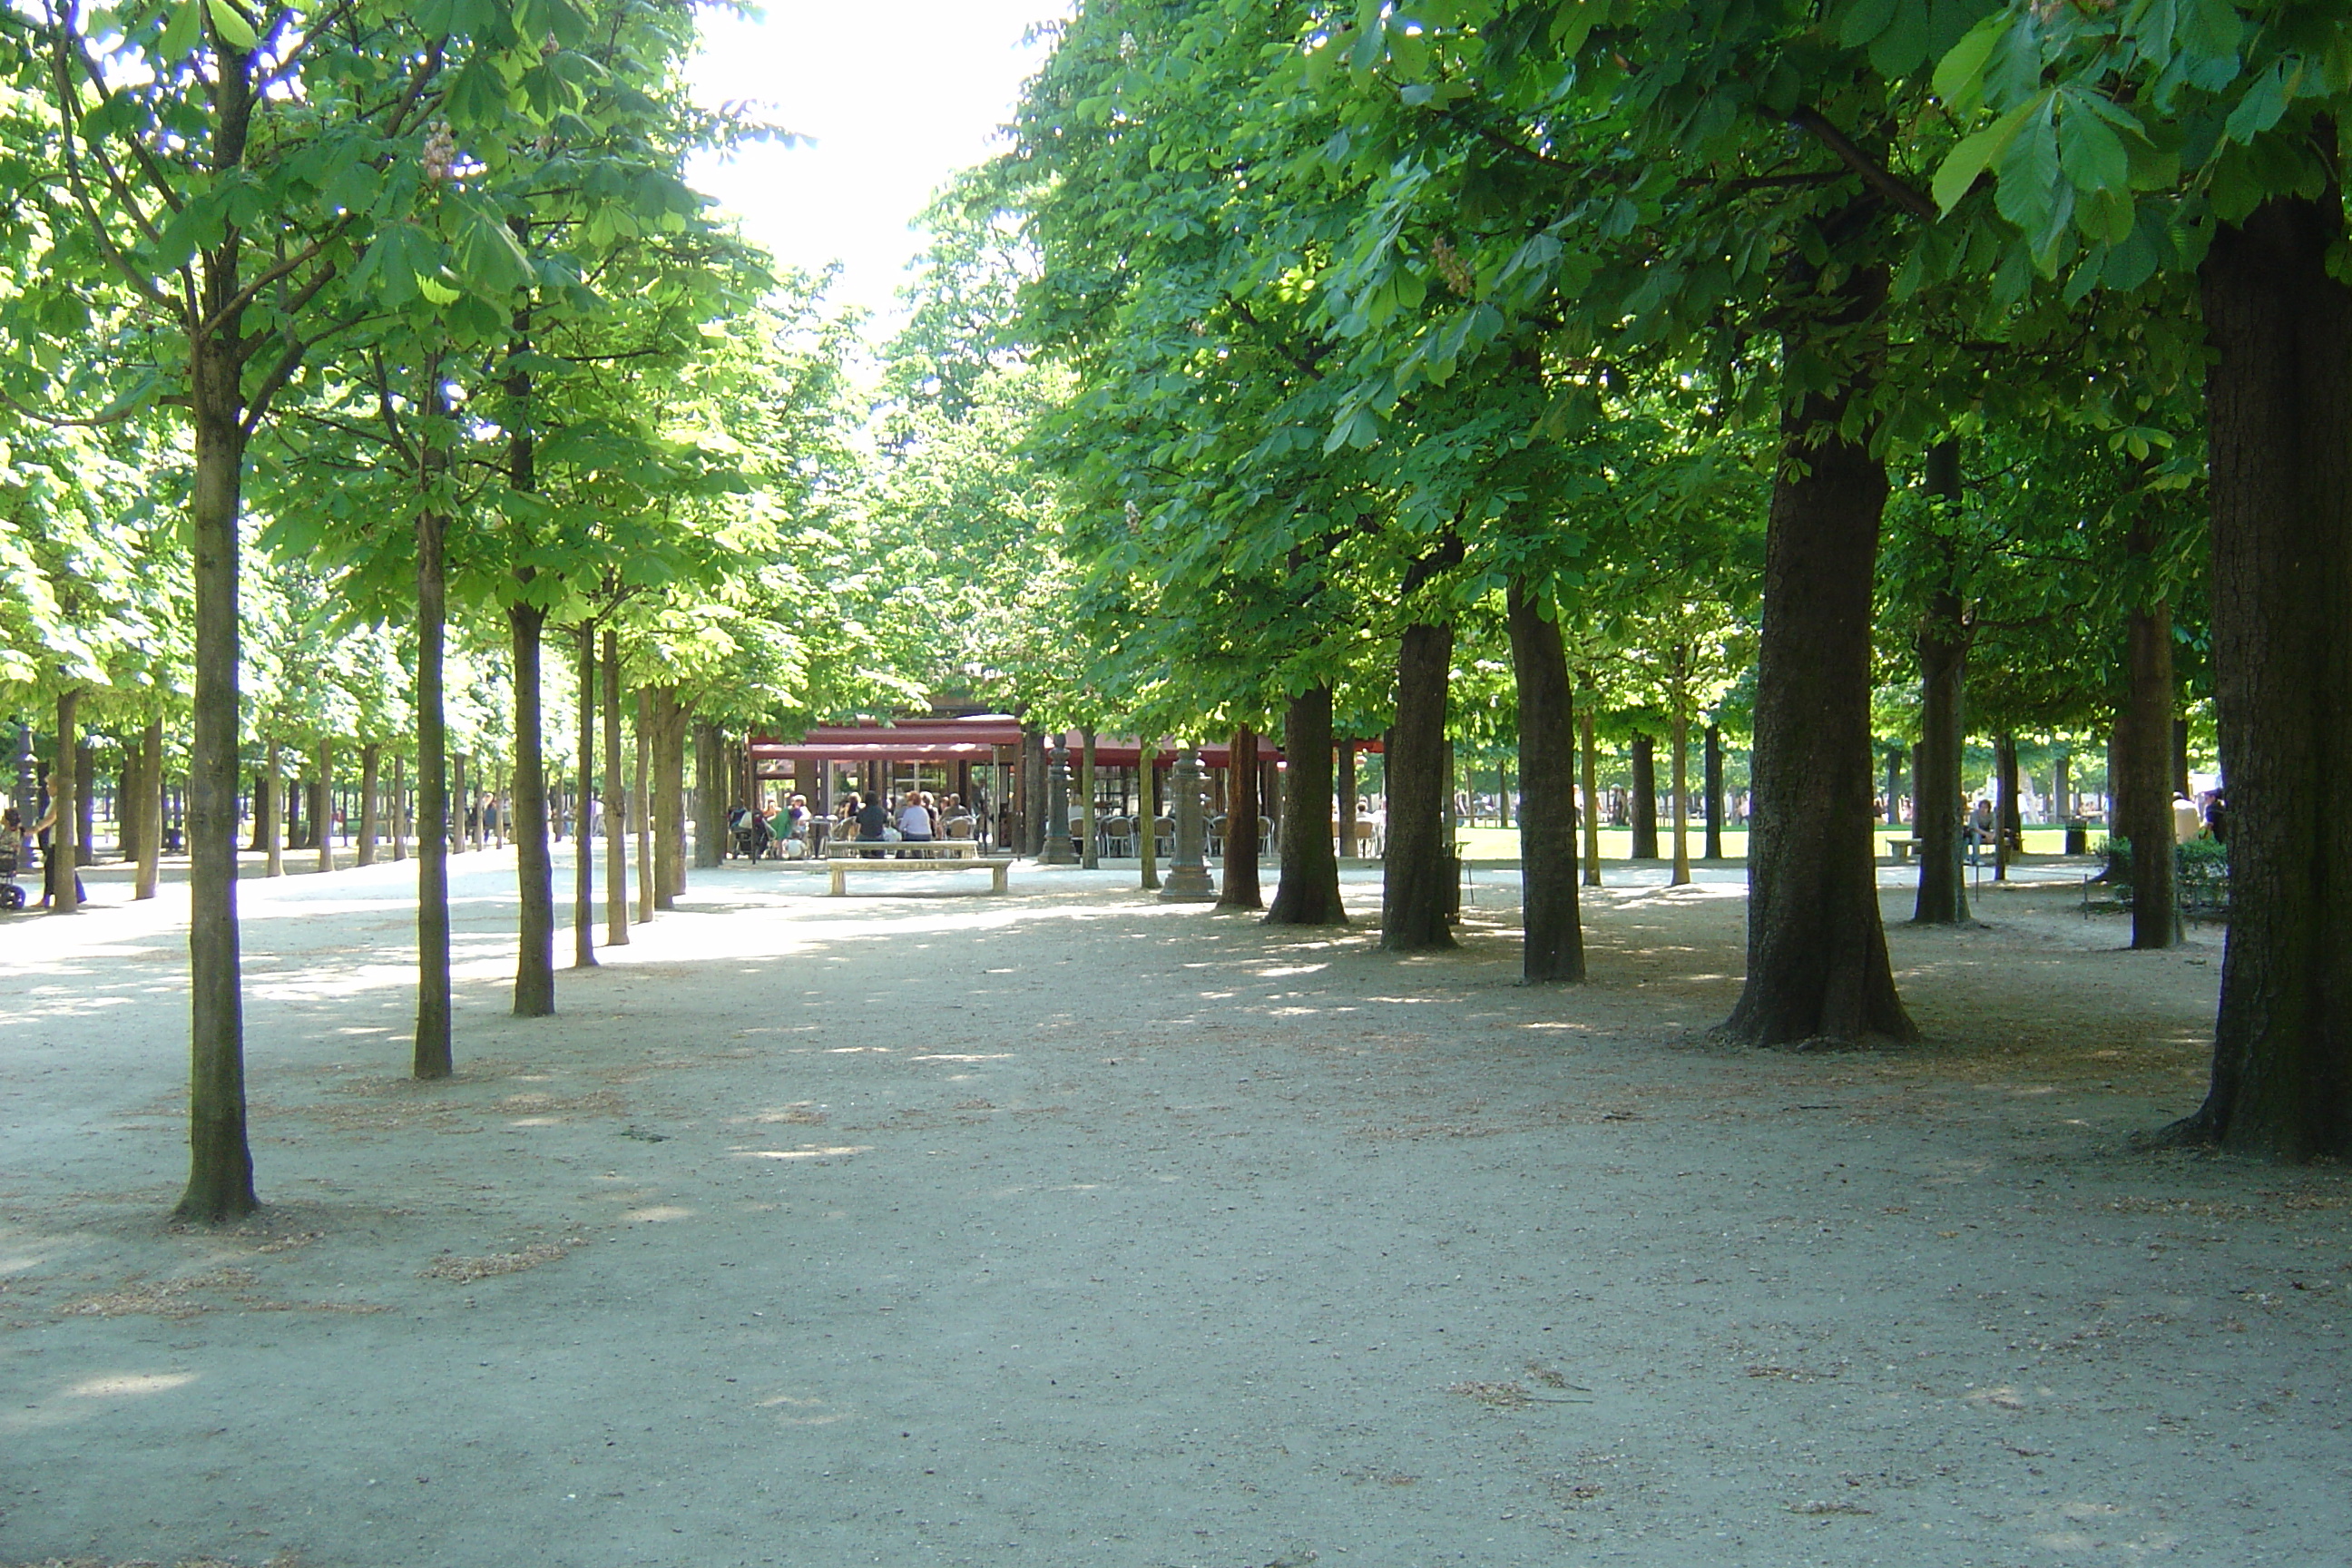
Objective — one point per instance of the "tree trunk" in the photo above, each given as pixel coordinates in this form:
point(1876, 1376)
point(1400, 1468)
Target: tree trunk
point(1413, 891)
point(1711, 775)
point(526, 810)
point(127, 798)
point(323, 806)
point(1553, 946)
point(1147, 817)
point(274, 839)
point(434, 1055)
point(260, 840)
point(60, 869)
point(2144, 793)
point(1089, 858)
point(1347, 792)
point(1938, 796)
point(709, 814)
point(371, 795)
point(614, 804)
point(220, 1161)
point(402, 819)
point(1817, 965)
point(2279, 430)
point(151, 810)
point(1646, 798)
point(1308, 891)
point(2008, 822)
point(1679, 740)
point(1589, 765)
point(669, 851)
point(454, 829)
point(641, 803)
point(2061, 793)
point(583, 846)
point(1240, 889)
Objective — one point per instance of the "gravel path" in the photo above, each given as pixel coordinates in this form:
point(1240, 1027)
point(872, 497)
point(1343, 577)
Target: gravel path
point(1071, 1229)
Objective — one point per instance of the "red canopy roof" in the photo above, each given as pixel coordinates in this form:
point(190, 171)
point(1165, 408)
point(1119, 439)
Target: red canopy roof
point(976, 739)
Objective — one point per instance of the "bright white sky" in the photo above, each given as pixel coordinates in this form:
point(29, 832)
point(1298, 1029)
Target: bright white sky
point(895, 96)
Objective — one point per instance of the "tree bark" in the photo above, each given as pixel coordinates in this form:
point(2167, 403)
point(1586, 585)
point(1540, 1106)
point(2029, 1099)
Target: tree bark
point(1939, 802)
point(669, 854)
point(1589, 766)
point(1412, 884)
point(709, 814)
point(60, 869)
point(2008, 822)
point(371, 797)
point(2143, 753)
point(615, 803)
point(402, 819)
point(127, 794)
point(526, 813)
point(1553, 946)
point(583, 844)
point(1241, 888)
point(1679, 742)
point(323, 806)
point(1711, 774)
point(151, 810)
point(1147, 817)
point(1646, 798)
point(432, 1057)
point(641, 805)
point(1308, 891)
point(1817, 965)
point(1089, 858)
point(220, 1161)
point(1345, 788)
point(2279, 430)
point(460, 837)
point(274, 831)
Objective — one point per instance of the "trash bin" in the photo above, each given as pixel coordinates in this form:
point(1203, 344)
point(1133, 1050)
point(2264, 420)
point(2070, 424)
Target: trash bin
point(2078, 837)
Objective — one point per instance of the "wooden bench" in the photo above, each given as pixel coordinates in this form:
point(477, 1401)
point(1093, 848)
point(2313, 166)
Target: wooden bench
point(1901, 848)
point(999, 868)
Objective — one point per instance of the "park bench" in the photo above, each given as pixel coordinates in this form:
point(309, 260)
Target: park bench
point(849, 855)
point(1902, 849)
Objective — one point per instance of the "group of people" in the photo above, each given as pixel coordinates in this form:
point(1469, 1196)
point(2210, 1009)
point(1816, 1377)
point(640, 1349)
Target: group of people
point(918, 817)
point(761, 831)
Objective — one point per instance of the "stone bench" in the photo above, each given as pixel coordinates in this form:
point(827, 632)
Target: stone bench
point(999, 869)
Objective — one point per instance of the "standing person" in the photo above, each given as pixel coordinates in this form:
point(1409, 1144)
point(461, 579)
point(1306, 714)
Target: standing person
point(490, 821)
point(2217, 817)
point(914, 823)
point(2188, 822)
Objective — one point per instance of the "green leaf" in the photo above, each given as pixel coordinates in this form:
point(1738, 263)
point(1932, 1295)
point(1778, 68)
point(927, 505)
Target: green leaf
point(1960, 75)
point(2028, 169)
point(2091, 152)
point(1865, 20)
point(1970, 158)
point(182, 33)
point(1902, 48)
point(2261, 108)
point(231, 27)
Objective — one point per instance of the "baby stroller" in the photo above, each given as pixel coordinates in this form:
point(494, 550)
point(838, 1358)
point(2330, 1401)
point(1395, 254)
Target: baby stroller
point(752, 833)
point(11, 897)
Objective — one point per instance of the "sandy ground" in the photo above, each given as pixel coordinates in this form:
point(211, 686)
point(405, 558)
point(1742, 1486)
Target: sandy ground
point(1071, 1229)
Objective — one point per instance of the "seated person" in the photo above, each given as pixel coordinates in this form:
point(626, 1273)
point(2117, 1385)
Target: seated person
point(914, 822)
point(873, 820)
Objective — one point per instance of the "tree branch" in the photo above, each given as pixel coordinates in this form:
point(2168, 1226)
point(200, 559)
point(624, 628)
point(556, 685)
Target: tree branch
point(1874, 174)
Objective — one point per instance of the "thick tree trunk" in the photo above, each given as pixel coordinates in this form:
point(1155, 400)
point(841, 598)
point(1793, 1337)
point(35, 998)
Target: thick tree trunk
point(433, 1057)
point(614, 804)
point(323, 806)
point(1240, 889)
point(1711, 776)
point(1089, 857)
point(1646, 798)
point(371, 796)
point(583, 844)
point(2061, 793)
point(1943, 896)
point(65, 844)
point(2144, 748)
point(151, 810)
point(1146, 818)
point(1589, 766)
point(1553, 945)
point(260, 840)
point(126, 798)
point(641, 805)
point(1680, 742)
point(1413, 891)
point(670, 853)
point(526, 810)
point(2279, 431)
point(274, 838)
point(1347, 800)
point(710, 813)
point(1308, 891)
point(1817, 965)
point(402, 819)
point(2009, 824)
point(220, 1161)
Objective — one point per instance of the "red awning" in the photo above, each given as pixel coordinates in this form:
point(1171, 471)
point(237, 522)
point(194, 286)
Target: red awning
point(973, 740)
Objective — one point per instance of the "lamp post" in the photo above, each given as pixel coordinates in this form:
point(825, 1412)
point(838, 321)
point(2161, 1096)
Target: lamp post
point(1188, 878)
point(1057, 806)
